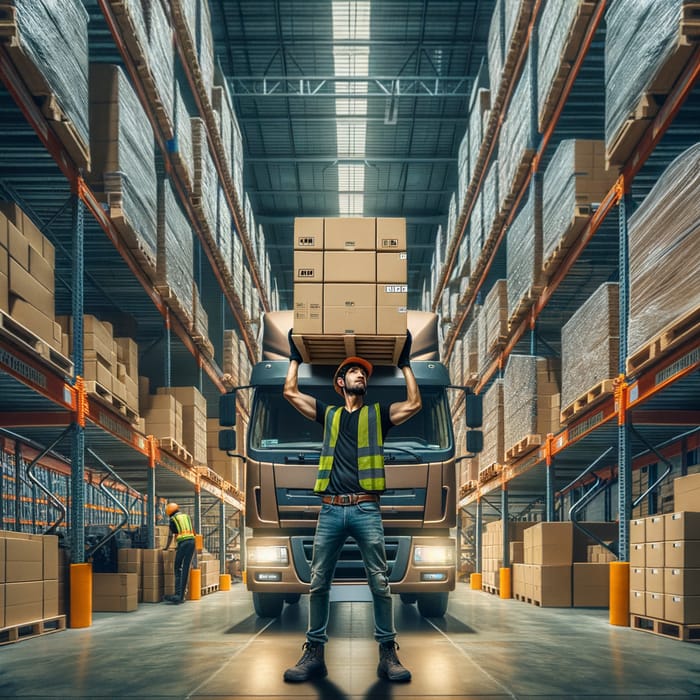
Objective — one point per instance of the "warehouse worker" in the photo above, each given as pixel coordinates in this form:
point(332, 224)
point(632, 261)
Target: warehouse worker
point(180, 528)
point(350, 479)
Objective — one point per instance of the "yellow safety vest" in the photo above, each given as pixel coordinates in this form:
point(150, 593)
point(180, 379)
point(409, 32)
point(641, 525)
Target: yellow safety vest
point(370, 448)
point(182, 521)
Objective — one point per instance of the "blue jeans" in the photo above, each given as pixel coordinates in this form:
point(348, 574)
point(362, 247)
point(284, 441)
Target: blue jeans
point(363, 522)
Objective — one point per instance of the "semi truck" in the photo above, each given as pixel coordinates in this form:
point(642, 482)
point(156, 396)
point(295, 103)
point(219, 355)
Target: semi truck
point(281, 460)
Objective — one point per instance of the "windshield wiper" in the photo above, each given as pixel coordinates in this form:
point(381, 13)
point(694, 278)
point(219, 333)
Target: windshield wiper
point(404, 450)
point(300, 457)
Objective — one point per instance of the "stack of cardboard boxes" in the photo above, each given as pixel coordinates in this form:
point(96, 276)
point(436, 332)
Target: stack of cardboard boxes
point(665, 559)
point(162, 413)
point(350, 276)
point(28, 578)
point(115, 592)
point(27, 287)
point(228, 468)
point(193, 410)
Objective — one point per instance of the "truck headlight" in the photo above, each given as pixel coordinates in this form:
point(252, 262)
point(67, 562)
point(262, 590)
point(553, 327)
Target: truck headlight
point(271, 556)
point(433, 555)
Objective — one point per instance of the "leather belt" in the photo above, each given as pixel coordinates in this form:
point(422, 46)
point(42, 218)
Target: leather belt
point(349, 499)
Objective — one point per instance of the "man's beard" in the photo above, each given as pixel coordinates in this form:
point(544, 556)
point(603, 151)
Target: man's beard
point(356, 390)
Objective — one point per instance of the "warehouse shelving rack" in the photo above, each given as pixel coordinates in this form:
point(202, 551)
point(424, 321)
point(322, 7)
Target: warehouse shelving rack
point(661, 399)
point(48, 400)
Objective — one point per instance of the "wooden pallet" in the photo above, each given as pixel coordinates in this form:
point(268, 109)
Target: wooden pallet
point(173, 301)
point(522, 447)
point(517, 181)
point(682, 329)
point(176, 449)
point(213, 588)
point(490, 589)
point(587, 400)
point(664, 628)
point(28, 630)
point(25, 339)
point(489, 472)
point(109, 399)
point(524, 304)
point(68, 135)
point(333, 349)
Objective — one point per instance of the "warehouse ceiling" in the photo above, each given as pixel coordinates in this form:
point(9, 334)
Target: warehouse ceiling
point(351, 108)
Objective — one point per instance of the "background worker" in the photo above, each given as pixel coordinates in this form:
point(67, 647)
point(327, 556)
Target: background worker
point(183, 532)
point(350, 479)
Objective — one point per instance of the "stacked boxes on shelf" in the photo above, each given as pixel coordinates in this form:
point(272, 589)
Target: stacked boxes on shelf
point(162, 414)
point(492, 549)
point(27, 285)
point(226, 467)
point(152, 580)
point(205, 187)
point(350, 276)
point(492, 324)
point(130, 561)
point(531, 394)
point(194, 419)
point(181, 147)
point(115, 592)
point(665, 561)
point(123, 164)
point(28, 578)
point(589, 351)
point(209, 566)
point(493, 428)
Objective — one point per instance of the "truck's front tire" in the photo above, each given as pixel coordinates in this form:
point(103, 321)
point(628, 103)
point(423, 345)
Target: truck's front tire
point(292, 598)
point(268, 604)
point(432, 604)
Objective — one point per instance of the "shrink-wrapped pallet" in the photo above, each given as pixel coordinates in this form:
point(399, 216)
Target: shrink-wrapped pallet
point(524, 254)
point(200, 322)
point(463, 171)
point(480, 103)
point(491, 204)
point(574, 180)
point(531, 400)
point(205, 46)
point(493, 426)
point(456, 362)
point(517, 139)
point(160, 56)
point(206, 183)
point(476, 231)
point(123, 161)
point(223, 229)
point(492, 325)
point(664, 256)
point(221, 103)
point(471, 348)
point(175, 254)
point(641, 35)
point(181, 147)
point(54, 38)
point(231, 356)
point(590, 343)
point(495, 49)
point(237, 262)
point(516, 15)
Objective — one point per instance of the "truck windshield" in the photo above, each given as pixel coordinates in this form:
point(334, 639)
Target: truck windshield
point(276, 425)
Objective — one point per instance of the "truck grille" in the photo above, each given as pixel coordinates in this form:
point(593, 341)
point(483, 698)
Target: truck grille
point(350, 568)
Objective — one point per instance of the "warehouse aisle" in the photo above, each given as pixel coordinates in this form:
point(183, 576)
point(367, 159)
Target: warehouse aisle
point(217, 648)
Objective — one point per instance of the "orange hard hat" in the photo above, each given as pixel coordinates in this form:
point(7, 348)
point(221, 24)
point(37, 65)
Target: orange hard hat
point(355, 361)
point(171, 508)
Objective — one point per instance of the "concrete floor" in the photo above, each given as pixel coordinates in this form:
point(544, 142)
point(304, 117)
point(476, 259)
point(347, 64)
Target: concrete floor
point(218, 648)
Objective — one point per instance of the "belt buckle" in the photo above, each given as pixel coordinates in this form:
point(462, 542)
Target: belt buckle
point(345, 499)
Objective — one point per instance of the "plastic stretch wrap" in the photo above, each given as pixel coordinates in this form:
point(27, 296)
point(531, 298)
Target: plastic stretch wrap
point(530, 393)
point(664, 251)
point(491, 199)
point(205, 47)
point(236, 155)
point(555, 22)
point(495, 311)
point(161, 55)
point(480, 103)
point(590, 343)
point(122, 152)
point(175, 250)
point(205, 177)
point(476, 229)
point(456, 363)
point(515, 14)
point(463, 172)
point(451, 217)
point(54, 35)
point(495, 47)
point(182, 145)
point(237, 263)
point(462, 268)
point(221, 102)
point(231, 356)
point(200, 324)
point(223, 228)
point(524, 250)
point(471, 346)
point(641, 34)
point(135, 10)
point(517, 139)
point(493, 426)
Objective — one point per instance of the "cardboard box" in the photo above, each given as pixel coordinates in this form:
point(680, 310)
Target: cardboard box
point(638, 604)
point(638, 530)
point(24, 602)
point(34, 319)
point(23, 560)
point(638, 579)
point(655, 528)
point(591, 585)
point(308, 265)
point(394, 295)
point(50, 556)
point(3, 230)
point(677, 554)
point(392, 320)
point(638, 554)
point(348, 296)
point(50, 598)
point(2, 558)
point(392, 268)
point(115, 603)
point(24, 286)
point(104, 585)
point(552, 586)
point(685, 610)
point(350, 234)
point(308, 233)
point(129, 560)
point(654, 605)
point(682, 526)
point(391, 234)
point(356, 320)
point(17, 246)
point(686, 493)
point(308, 308)
point(356, 266)
point(549, 544)
point(41, 270)
point(2, 605)
point(654, 580)
point(186, 396)
point(654, 554)
point(681, 581)
point(4, 293)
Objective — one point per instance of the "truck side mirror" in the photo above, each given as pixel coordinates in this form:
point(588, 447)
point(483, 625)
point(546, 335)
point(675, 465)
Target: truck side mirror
point(227, 440)
point(474, 411)
point(227, 409)
point(474, 441)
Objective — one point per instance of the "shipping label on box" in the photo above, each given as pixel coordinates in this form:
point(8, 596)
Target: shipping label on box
point(392, 268)
point(391, 234)
point(350, 234)
point(308, 266)
point(349, 266)
point(655, 528)
point(638, 602)
point(308, 233)
point(638, 530)
point(392, 295)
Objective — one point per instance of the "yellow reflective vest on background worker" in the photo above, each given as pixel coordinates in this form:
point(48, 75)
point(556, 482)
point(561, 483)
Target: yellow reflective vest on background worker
point(182, 521)
point(370, 448)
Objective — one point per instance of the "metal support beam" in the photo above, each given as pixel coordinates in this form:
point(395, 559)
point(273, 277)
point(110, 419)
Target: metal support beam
point(504, 518)
point(198, 509)
point(477, 536)
point(223, 529)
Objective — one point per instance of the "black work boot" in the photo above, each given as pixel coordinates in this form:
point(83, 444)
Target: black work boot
point(389, 665)
point(310, 665)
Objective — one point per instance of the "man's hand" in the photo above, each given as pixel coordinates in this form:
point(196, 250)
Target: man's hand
point(405, 356)
point(294, 353)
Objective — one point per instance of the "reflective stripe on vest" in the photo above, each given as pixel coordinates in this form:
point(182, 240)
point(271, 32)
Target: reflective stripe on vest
point(370, 448)
point(182, 521)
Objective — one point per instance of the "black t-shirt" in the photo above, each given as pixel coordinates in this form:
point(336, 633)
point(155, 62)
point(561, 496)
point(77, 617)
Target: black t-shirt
point(344, 475)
